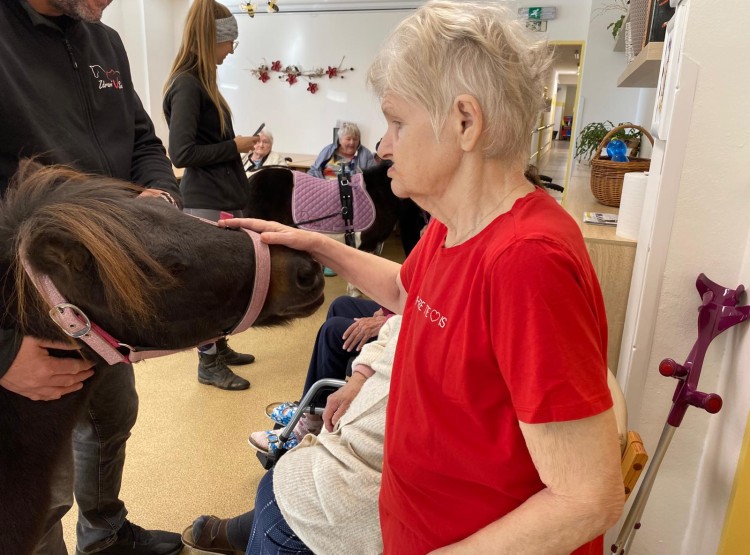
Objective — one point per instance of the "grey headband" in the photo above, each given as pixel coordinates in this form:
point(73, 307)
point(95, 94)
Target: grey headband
point(226, 29)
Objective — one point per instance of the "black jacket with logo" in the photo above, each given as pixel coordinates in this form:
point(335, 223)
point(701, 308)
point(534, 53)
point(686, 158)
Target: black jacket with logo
point(67, 97)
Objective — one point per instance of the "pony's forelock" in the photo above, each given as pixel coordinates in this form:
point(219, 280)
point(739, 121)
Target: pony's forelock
point(54, 201)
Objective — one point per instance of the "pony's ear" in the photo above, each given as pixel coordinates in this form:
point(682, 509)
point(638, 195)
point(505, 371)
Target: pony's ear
point(61, 254)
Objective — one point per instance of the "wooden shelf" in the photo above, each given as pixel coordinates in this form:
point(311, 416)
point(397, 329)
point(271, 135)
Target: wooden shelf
point(611, 255)
point(644, 70)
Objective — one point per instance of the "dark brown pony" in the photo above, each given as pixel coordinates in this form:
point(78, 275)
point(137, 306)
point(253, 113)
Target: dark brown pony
point(146, 273)
point(271, 192)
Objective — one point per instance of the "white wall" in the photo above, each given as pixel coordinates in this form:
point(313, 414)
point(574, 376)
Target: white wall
point(300, 121)
point(161, 37)
point(559, 104)
point(710, 233)
point(600, 97)
point(570, 100)
point(150, 31)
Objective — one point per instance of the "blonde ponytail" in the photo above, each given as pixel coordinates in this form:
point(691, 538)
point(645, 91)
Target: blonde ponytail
point(198, 53)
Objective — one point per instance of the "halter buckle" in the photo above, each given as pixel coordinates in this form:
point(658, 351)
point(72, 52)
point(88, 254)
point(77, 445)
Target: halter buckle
point(75, 324)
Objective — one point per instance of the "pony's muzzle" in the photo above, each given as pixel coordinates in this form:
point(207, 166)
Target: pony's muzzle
point(297, 286)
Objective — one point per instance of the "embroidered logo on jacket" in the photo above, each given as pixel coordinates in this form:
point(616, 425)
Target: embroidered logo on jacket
point(108, 78)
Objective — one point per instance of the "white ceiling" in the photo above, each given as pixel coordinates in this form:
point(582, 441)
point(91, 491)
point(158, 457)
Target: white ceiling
point(564, 60)
point(295, 6)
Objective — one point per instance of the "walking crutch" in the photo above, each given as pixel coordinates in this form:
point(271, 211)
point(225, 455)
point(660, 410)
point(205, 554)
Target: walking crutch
point(717, 313)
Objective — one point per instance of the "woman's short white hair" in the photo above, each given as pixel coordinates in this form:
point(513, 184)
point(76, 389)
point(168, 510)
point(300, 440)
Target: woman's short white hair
point(348, 128)
point(450, 48)
point(267, 134)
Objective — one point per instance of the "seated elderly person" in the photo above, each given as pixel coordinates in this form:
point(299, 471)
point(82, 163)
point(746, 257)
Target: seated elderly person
point(262, 155)
point(497, 439)
point(351, 323)
point(346, 151)
point(307, 503)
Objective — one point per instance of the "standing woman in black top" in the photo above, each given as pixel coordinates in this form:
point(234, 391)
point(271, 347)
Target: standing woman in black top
point(202, 141)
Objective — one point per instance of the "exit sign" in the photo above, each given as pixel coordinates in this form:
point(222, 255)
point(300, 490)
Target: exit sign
point(537, 13)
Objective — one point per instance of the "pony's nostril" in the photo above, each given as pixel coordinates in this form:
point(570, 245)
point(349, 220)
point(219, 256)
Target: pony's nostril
point(308, 276)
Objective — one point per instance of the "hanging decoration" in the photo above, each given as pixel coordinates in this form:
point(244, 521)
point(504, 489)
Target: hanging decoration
point(292, 74)
point(248, 8)
point(251, 7)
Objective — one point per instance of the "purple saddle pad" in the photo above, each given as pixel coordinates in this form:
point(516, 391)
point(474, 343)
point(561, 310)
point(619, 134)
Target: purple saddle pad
point(314, 198)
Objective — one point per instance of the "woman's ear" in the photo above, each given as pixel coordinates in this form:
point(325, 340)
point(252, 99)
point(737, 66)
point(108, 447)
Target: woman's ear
point(469, 115)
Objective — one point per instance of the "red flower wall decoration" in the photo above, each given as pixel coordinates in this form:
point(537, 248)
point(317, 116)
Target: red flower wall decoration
point(291, 74)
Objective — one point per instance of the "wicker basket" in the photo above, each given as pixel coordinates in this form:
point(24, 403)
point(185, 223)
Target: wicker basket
point(607, 176)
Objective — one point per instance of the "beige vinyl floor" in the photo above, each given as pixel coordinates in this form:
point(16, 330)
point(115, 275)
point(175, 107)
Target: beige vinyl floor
point(553, 162)
point(188, 454)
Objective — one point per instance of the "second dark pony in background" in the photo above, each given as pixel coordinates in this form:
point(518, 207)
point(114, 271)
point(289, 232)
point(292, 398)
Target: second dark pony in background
point(271, 190)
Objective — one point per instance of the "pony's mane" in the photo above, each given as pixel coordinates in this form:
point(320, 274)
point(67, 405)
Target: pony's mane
point(44, 202)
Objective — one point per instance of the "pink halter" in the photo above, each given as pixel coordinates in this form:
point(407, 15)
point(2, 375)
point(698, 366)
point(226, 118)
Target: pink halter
point(74, 322)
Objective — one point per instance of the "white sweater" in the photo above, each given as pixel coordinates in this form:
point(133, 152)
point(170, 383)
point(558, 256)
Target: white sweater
point(327, 487)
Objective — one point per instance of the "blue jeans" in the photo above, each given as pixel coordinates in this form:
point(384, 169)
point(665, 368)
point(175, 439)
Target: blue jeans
point(96, 459)
point(271, 534)
point(329, 359)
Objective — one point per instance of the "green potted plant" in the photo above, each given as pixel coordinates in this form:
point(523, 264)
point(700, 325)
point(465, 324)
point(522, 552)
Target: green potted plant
point(619, 7)
point(592, 134)
point(615, 26)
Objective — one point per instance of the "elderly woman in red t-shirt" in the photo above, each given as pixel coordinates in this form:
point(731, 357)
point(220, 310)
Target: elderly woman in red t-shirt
point(500, 435)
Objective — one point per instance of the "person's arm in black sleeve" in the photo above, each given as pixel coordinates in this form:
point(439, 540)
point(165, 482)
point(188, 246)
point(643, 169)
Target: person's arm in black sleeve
point(150, 166)
point(10, 343)
point(185, 98)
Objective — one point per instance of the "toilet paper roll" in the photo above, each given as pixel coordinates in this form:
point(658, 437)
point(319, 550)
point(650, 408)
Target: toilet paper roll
point(631, 204)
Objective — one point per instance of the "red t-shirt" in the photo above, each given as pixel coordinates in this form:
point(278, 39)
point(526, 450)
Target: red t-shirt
point(508, 326)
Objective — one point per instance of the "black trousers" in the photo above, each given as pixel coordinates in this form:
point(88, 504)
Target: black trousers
point(329, 359)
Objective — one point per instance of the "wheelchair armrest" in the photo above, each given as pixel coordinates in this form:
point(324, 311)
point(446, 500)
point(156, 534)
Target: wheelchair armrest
point(633, 461)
